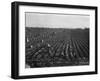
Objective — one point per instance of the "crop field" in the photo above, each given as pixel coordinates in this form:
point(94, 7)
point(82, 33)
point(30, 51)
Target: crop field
point(53, 47)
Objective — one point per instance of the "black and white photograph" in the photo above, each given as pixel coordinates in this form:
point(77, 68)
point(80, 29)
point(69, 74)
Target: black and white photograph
point(50, 40)
point(53, 40)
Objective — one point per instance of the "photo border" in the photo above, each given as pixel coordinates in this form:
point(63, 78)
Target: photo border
point(15, 39)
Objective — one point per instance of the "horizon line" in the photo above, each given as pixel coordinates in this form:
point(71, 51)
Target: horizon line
point(59, 27)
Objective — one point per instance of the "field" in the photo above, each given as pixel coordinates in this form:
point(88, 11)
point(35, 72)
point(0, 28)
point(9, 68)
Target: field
point(53, 47)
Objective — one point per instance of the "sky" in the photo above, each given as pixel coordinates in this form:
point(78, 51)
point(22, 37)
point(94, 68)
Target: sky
point(56, 20)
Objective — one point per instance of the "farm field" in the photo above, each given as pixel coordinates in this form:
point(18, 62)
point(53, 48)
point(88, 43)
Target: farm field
point(53, 47)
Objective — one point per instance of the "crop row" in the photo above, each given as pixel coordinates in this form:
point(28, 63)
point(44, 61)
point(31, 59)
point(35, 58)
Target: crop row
point(57, 48)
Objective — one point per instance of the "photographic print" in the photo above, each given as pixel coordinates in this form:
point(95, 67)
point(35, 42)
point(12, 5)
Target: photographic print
point(56, 39)
point(50, 40)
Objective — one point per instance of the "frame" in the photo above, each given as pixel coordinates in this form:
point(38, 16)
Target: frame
point(43, 25)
